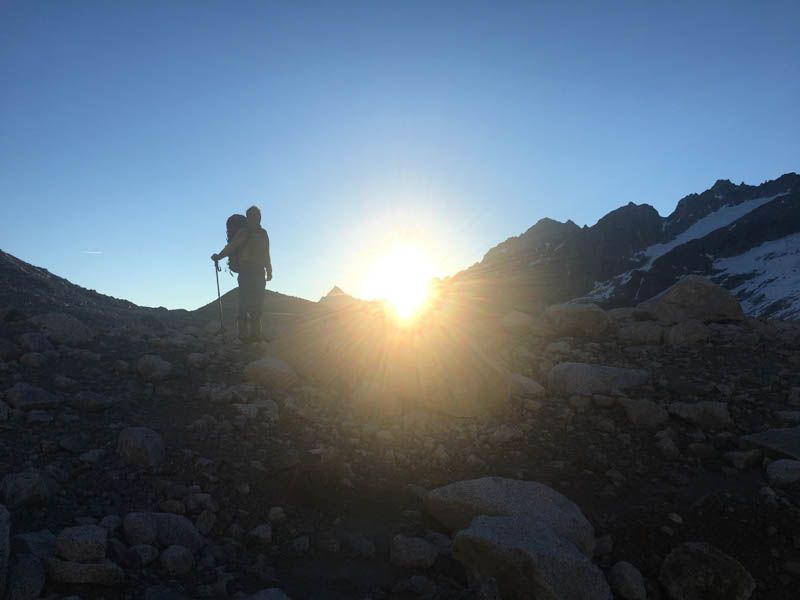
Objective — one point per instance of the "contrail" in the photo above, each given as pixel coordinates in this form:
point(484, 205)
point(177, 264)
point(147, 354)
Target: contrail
point(92, 251)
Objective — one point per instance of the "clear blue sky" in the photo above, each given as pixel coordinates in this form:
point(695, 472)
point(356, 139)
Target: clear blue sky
point(129, 131)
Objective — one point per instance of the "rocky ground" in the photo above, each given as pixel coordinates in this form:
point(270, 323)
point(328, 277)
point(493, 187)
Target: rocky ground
point(643, 453)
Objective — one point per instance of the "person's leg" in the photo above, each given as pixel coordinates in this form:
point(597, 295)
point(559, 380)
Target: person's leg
point(244, 330)
point(257, 307)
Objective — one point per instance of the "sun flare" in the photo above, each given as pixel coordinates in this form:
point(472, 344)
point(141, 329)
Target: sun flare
point(401, 278)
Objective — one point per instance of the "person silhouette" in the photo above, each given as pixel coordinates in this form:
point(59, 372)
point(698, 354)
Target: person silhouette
point(250, 248)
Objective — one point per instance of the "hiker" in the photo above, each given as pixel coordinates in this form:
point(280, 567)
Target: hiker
point(248, 252)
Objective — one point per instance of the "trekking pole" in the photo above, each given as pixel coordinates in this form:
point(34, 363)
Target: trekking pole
point(219, 296)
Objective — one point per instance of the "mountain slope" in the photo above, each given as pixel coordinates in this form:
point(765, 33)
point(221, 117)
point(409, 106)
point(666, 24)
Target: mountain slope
point(739, 235)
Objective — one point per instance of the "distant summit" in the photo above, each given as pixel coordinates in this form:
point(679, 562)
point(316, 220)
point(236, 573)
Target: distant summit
point(336, 298)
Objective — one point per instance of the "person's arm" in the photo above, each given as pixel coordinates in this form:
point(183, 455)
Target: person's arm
point(269, 261)
point(232, 247)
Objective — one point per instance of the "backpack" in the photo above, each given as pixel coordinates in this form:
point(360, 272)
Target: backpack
point(233, 225)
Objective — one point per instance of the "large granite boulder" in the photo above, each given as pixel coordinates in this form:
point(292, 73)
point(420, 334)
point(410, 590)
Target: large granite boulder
point(578, 319)
point(456, 504)
point(529, 560)
point(694, 297)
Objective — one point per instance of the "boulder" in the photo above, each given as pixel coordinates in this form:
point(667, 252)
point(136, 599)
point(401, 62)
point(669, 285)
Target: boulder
point(26, 578)
point(140, 446)
point(688, 333)
point(272, 372)
point(783, 442)
point(699, 571)
point(694, 297)
point(83, 543)
point(529, 560)
point(63, 328)
point(142, 554)
point(525, 387)
point(177, 530)
point(578, 319)
point(140, 528)
point(783, 472)
point(584, 379)
point(5, 546)
point(644, 413)
point(627, 582)
point(91, 402)
point(517, 322)
point(153, 368)
point(641, 333)
point(177, 560)
point(412, 552)
point(40, 544)
point(98, 573)
point(27, 397)
point(706, 414)
point(27, 488)
point(167, 529)
point(456, 504)
point(261, 534)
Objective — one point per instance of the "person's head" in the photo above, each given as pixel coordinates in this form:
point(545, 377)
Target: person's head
point(253, 216)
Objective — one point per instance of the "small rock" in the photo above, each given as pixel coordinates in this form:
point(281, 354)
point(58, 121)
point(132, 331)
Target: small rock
point(85, 543)
point(644, 413)
point(28, 488)
point(26, 578)
point(525, 387)
point(627, 582)
point(142, 554)
point(205, 522)
point(744, 459)
point(5, 546)
point(412, 552)
point(101, 573)
point(91, 402)
point(783, 472)
point(277, 514)
point(706, 414)
point(140, 528)
point(261, 534)
point(33, 360)
point(153, 368)
point(140, 446)
point(27, 397)
point(177, 560)
point(272, 372)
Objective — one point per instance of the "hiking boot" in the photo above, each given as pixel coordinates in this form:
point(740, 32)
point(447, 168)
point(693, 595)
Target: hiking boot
point(244, 330)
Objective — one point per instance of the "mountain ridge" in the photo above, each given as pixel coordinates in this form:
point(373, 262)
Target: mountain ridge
point(633, 253)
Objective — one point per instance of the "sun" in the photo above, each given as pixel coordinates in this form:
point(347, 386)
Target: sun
point(401, 277)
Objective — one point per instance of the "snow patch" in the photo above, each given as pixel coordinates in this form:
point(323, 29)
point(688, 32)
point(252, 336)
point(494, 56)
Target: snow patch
point(701, 228)
point(771, 273)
